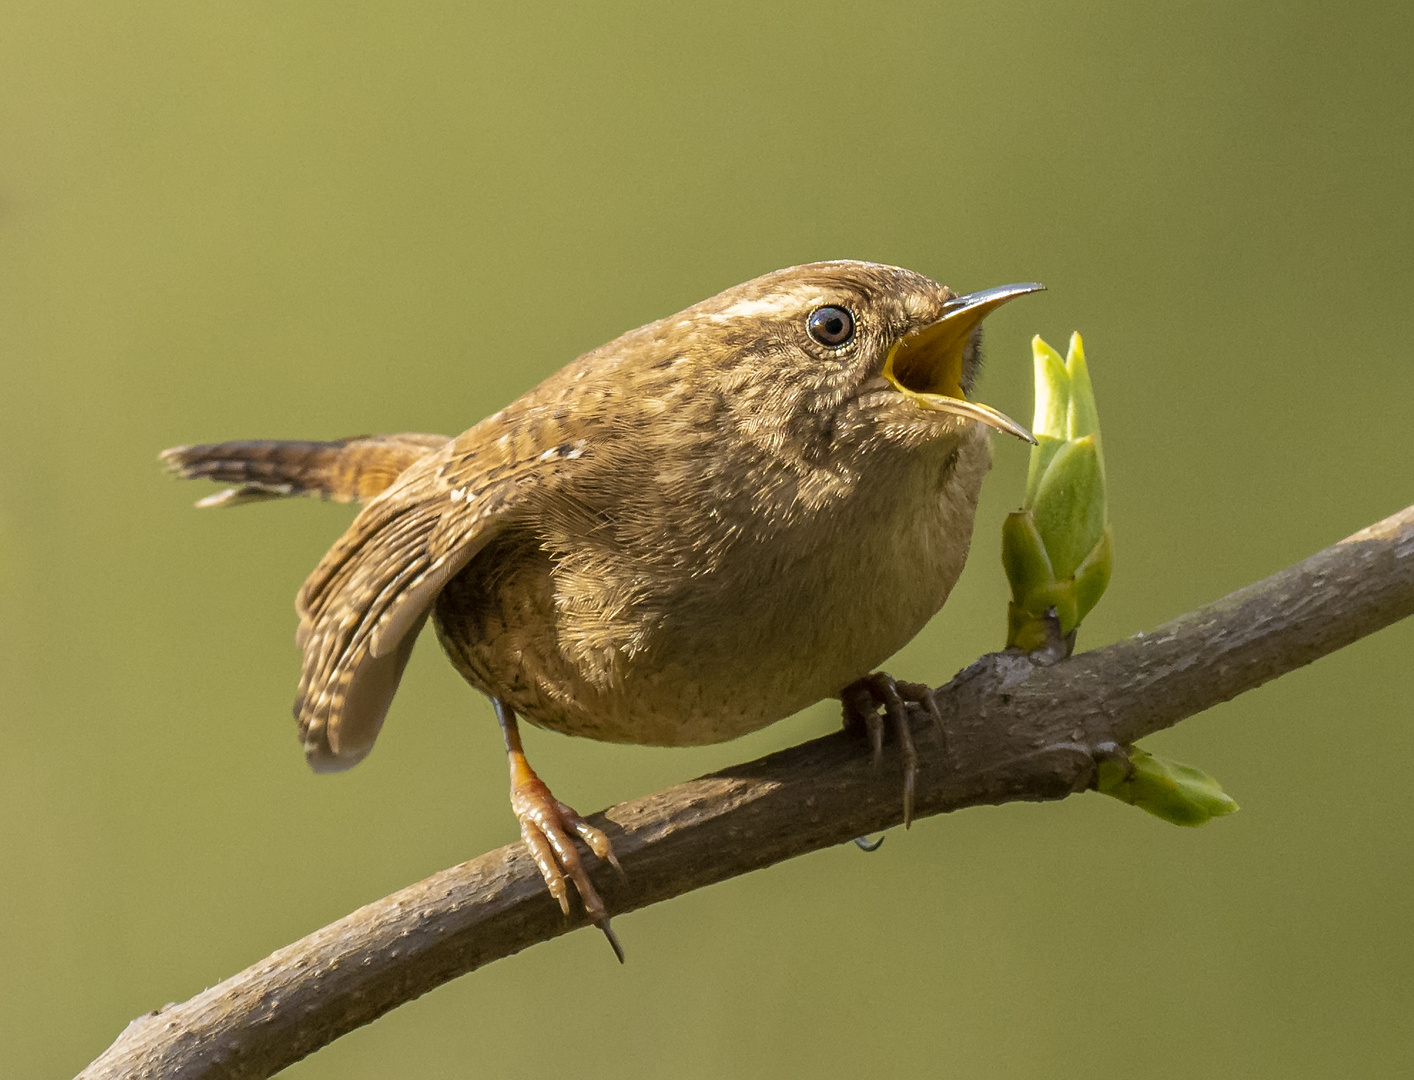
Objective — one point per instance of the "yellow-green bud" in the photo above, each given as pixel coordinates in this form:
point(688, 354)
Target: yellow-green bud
point(1177, 793)
point(1057, 549)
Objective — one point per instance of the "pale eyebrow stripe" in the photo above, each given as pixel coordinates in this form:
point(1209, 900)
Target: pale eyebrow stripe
point(775, 305)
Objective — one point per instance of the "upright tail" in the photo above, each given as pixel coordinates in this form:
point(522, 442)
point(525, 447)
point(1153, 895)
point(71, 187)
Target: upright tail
point(345, 470)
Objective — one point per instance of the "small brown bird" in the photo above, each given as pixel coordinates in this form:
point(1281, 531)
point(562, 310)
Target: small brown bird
point(691, 532)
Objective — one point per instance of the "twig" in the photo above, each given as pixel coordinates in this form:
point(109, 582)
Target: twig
point(1016, 730)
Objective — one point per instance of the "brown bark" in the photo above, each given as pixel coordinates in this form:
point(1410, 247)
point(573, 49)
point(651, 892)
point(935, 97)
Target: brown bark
point(1016, 730)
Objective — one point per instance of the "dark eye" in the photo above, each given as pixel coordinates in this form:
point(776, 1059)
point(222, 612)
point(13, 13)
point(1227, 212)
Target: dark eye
point(831, 326)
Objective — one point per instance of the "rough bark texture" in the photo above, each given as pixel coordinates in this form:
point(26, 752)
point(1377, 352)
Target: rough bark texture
point(1016, 730)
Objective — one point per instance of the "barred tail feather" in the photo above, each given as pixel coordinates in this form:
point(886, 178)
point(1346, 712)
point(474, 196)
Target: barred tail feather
point(344, 470)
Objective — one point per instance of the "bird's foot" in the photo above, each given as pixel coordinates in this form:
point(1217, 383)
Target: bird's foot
point(862, 702)
point(548, 826)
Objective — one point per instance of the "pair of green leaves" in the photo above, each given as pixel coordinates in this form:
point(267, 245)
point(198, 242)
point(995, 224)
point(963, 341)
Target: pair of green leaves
point(1057, 551)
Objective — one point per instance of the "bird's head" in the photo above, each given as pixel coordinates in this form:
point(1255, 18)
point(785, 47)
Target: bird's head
point(855, 345)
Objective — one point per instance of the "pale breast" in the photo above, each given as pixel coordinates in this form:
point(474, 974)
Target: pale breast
point(588, 640)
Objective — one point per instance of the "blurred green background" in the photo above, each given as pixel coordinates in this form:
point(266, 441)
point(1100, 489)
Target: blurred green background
point(270, 220)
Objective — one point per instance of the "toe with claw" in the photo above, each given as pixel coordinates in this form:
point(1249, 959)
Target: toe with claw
point(549, 827)
point(862, 702)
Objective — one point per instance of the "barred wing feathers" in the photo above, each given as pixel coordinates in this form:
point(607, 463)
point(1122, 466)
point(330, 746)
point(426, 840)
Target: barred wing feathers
point(363, 606)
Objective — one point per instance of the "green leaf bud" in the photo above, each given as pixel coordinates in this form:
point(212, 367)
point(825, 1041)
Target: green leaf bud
point(1177, 793)
point(1057, 550)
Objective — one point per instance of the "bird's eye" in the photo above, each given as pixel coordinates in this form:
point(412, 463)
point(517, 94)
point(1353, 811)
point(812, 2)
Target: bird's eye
point(831, 326)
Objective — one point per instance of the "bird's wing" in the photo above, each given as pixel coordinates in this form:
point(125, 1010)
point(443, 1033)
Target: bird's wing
point(361, 609)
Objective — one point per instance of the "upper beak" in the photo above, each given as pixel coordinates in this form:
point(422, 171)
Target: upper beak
point(927, 364)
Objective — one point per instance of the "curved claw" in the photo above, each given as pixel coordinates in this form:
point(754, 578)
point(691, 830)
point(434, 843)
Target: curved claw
point(863, 843)
point(603, 925)
point(862, 700)
point(594, 838)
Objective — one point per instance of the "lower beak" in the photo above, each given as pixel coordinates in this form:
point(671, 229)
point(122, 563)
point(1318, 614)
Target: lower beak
point(927, 364)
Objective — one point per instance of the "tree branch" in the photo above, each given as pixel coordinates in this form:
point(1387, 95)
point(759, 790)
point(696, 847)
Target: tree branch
point(1016, 730)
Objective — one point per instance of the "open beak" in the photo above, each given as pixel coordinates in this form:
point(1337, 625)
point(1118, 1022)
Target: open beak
point(927, 364)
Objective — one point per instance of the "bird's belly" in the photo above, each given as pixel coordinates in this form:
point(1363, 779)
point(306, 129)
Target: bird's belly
point(602, 648)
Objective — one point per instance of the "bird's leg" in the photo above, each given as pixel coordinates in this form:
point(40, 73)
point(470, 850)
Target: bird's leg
point(862, 700)
point(546, 825)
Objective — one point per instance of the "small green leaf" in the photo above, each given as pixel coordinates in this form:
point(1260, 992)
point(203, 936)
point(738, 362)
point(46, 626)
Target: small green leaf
point(1091, 578)
point(1082, 418)
point(1024, 555)
point(1046, 448)
point(1070, 505)
point(1052, 391)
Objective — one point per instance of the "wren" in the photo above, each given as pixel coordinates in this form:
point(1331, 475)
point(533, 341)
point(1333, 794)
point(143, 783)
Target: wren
point(684, 535)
